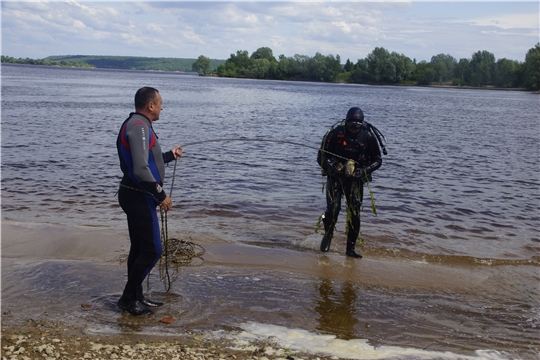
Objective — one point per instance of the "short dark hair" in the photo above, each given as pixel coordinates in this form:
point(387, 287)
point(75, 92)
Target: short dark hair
point(143, 96)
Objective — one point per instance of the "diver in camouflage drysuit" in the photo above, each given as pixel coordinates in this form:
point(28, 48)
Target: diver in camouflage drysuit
point(351, 139)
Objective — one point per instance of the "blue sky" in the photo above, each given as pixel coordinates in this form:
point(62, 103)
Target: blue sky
point(351, 29)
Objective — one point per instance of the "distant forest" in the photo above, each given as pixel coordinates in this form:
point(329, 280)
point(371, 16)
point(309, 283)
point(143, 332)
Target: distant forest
point(114, 62)
point(380, 66)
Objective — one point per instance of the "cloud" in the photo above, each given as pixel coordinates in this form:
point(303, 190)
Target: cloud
point(217, 29)
point(509, 21)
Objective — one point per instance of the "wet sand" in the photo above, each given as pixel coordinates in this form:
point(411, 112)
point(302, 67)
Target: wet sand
point(58, 277)
point(52, 242)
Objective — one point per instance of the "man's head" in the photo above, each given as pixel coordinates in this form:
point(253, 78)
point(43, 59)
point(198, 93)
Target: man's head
point(148, 102)
point(354, 120)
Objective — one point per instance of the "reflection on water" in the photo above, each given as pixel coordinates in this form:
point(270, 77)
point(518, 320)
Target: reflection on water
point(337, 309)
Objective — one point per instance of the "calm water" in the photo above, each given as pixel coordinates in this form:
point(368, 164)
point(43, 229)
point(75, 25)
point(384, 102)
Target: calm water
point(459, 187)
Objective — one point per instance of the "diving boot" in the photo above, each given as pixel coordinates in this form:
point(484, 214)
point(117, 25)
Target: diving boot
point(325, 243)
point(328, 234)
point(351, 251)
point(134, 308)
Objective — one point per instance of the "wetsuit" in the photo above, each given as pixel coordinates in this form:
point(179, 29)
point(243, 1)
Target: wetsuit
point(143, 165)
point(364, 149)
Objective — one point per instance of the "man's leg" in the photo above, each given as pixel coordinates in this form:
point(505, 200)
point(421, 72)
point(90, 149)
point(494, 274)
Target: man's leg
point(354, 192)
point(145, 248)
point(333, 206)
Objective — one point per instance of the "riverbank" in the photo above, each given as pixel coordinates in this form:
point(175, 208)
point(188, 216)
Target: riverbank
point(57, 340)
point(488, 87)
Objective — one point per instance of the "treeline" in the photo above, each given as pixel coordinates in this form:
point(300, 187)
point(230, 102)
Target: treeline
point(384, 67)
point(136, 62)
point(115, 62)
point(45, 62)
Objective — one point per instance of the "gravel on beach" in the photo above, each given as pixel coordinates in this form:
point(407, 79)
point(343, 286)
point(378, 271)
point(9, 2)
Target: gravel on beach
point(57, 341)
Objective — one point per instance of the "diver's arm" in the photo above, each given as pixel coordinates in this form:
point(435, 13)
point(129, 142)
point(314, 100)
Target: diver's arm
point(374, 155)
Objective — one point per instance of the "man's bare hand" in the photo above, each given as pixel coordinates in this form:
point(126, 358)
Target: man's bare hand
point(177, 152)
point(167, 203)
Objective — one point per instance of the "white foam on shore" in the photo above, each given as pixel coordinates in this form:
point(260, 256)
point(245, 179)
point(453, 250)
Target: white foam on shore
point(297, 340)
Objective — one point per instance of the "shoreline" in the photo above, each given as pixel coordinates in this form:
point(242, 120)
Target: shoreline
point(462, 87)
point(59, 341)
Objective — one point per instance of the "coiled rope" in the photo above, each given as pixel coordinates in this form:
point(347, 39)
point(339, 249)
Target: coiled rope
point(176, 252)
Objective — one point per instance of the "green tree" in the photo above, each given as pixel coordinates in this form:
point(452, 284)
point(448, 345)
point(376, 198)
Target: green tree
point(531, 68)
point(443, 64)
point(323, 68)
point(380, 66)
point(404, 66)
point(242, 62)
point(359, 73)
point(260, 68)
point(282, 71)
point(228, 69)
point(424, 73)
point(263, 53)
point(482, 68)
point(507, 73)
point(348, 66)
point(462, 71)
point(202, 65)
point(301, 66)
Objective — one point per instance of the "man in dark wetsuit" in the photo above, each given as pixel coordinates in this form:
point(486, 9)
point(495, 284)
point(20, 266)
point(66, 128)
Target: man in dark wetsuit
point(141, 191)
point(351, 153)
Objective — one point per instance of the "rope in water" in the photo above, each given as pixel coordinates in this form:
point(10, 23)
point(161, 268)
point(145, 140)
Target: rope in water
point(176, 252)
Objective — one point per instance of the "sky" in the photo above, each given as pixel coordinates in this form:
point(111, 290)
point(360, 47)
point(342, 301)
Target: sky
point(217, 29)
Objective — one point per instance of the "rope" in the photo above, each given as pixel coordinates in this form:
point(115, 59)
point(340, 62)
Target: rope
point(176, 252)
point(265, 140)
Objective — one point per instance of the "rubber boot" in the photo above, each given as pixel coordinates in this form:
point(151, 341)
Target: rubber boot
point(325, 243)
point(350, 249)
point(328, 235)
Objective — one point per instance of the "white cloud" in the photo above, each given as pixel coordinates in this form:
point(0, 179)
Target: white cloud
point(217, 29)
point(510, 21)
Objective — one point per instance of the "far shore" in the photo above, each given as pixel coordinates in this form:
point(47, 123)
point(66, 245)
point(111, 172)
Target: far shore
point(432, 85)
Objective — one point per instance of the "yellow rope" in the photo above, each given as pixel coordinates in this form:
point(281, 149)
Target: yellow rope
point(176, 253)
